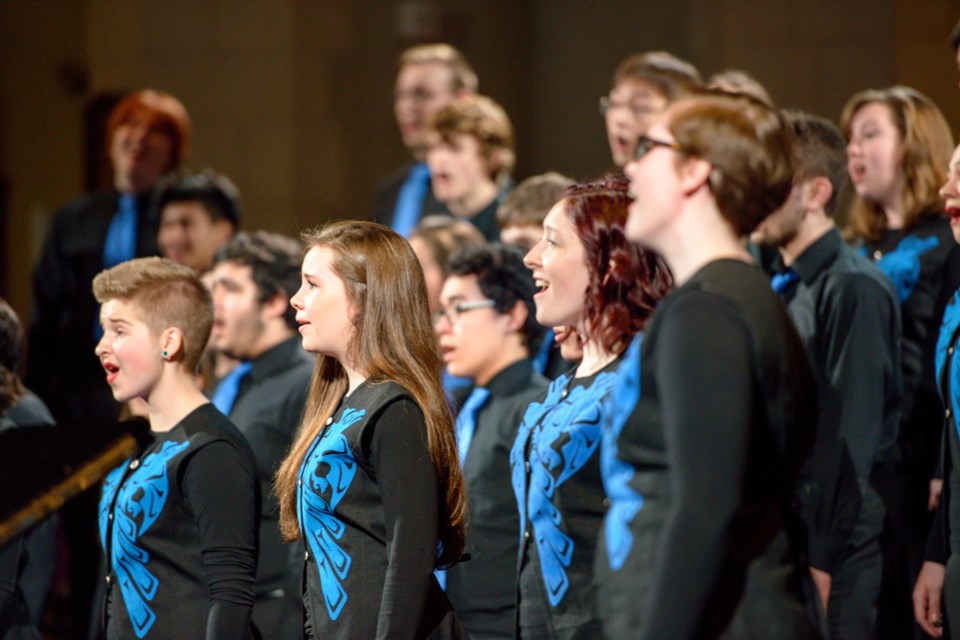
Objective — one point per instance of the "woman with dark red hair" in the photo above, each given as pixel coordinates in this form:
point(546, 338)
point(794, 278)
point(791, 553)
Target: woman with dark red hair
point(593, 281)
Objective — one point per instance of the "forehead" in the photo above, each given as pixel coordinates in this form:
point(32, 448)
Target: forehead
point(872, 113)
point(466, 286)
point(636, 89)
point(432, 75)
point(184, 210)
point(233, 271)
point(557, 218)
point(318, 261)
point(119, 309)
point(955, 158)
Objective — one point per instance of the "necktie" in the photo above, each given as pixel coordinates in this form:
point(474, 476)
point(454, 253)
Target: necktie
point(410, 200)
point(467, 420)
point(543, 353)
point(781, 281)
point(120, 244)
point(226, 394)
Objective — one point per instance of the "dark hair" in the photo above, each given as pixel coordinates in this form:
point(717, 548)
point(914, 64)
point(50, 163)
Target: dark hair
point(626, 282)
point(503, 278)
point(531, 200)
point(274, 261)
point(819, 151)
point(668, 74)
point(749, 147)
point(11, 356)
point(219, 197)
point(393, 341)
point(161, 111)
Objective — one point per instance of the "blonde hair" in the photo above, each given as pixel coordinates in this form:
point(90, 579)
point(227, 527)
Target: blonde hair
point(168, 294)
point(927, 144)
point(384, 282)
point(462, 75)
point(484, 119)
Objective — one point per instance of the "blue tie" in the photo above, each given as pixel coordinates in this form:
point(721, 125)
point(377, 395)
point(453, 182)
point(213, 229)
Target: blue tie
point(543, 354)
point(226, 394)
point(410, 200)
point(781, 281)
point(467, 420)
point(120, 244)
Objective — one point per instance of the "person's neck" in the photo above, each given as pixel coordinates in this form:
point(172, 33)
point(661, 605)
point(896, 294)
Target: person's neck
point(814, 226)
point(355, 377)
point(506, 356)
point(475, 201)
point(173, 398)
point(698, 236)
point(595, 358)
point(894, 216)
point(272, 335)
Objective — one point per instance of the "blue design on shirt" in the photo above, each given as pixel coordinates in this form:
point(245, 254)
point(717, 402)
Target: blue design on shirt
point(139, 502)
point(564, 432)
point(625, 502)
point(902, 265)
point(327, 471)
point(951, 321)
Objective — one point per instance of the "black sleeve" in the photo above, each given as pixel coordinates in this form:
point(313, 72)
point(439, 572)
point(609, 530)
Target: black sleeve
point(706, 397)
point(9, 604)
point(222, 491)
point(409, 489)
point(859, 348)
point(48, 302)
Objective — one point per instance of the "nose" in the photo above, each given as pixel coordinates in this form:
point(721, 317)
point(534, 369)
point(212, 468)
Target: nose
point(948, 189)
point(532, 259)
point(101, 348)
point(297, 301)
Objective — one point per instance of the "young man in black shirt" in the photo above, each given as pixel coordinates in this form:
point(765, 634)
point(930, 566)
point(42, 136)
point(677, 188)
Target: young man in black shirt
point(846, 312)
point(486, 326)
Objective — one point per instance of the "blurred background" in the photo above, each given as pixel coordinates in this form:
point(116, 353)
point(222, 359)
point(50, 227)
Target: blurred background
point(292, 99)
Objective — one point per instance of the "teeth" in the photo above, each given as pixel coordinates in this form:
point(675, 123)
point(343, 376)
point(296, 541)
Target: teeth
point(541, 284)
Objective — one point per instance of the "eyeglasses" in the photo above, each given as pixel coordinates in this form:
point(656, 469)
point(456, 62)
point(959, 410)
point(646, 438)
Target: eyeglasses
point(639, 110)
point(417, 96)
point(453, 313)
point(646, 144)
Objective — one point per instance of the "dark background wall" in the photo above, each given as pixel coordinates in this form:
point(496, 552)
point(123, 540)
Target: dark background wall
point(291, 98)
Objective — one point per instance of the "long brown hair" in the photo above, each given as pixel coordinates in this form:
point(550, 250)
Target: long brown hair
point(384, 283)
point(927, 144)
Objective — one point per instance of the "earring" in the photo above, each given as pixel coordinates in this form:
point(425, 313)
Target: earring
point(163, 353)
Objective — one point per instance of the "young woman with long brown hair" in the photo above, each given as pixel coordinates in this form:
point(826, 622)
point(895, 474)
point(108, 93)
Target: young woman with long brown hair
point(372, 482)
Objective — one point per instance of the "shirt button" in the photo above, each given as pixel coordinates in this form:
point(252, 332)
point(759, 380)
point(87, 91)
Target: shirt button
point(526, 534)
point(947, 412)
point(950, 351)
point(877, 254)
point(306, 555)
point(300, 482)
point(134, 464)
point(329, 420)
point(110, 516)
point(526, 466)
point(108, 579)
point(564, 394)
point(606, 502)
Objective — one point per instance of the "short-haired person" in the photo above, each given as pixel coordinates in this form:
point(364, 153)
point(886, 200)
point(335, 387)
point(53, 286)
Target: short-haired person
point(739, 81)
point(178, 521)
point(520, 218)
point(486, 326)
point(726, 412)
point(253, 278)
point(148, 135)
point(27, 561)
point(429, 76)
point(434, 241)
point(899, 146)
point(642, 87)
point(846, 312)
point(199, 213)
point(470, 153)
point(372, 483)
point(936, 595)
point(592, 279)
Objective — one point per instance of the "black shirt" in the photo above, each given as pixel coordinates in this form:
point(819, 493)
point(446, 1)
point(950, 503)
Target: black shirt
point(847, 315)
point(178, 526)
point(724, 420)
point(267, 412)
point(481, 589)
point(387, 192)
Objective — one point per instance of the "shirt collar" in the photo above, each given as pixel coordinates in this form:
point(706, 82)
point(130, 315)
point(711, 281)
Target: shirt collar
point(514, 377)
point(818, 256)
point(276, 359)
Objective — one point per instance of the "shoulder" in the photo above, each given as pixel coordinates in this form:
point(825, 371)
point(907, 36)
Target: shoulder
point(206, 425)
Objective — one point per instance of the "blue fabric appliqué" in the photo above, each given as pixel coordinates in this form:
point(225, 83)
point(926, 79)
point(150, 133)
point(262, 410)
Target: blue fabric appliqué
point(951, 321)
point(625, 502)
point(902, 265)
point(565, 432)
point(138, 505)
point(326, 473)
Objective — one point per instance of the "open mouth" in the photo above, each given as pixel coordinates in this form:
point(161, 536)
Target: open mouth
point(857, 171)
point(112, 371)
point(542, 285)
point(953, 212)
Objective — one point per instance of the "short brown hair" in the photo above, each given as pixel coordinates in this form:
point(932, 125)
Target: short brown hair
point(162, 111)
point(483, 119)
point(445, 235)
point(170, 295)
point(462, 75)
point(819, 151)
point(927, 146)
point(739, 81)
point(749, 146)
point(668, 74)
point(531, 200)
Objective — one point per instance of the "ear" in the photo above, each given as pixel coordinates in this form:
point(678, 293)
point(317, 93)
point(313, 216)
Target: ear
point(223, 230)
point(517, 316)
point(276, 305)
point(171, 344)
point(694, 174)
point(494, 161)
point(816, 193)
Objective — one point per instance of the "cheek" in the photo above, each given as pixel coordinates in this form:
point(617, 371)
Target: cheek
point(136, 359)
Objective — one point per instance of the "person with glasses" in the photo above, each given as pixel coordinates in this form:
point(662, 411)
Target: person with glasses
point(429, 77)
point(589, 278)
point(724, 400)
point(487, 328)
point(642, 87)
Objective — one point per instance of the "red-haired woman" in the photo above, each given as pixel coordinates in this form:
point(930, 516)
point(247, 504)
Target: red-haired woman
point(700, 540)
point(372, 483)
point(594, 281)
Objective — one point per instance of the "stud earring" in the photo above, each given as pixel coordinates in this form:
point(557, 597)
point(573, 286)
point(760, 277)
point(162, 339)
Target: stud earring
point(164, 354)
